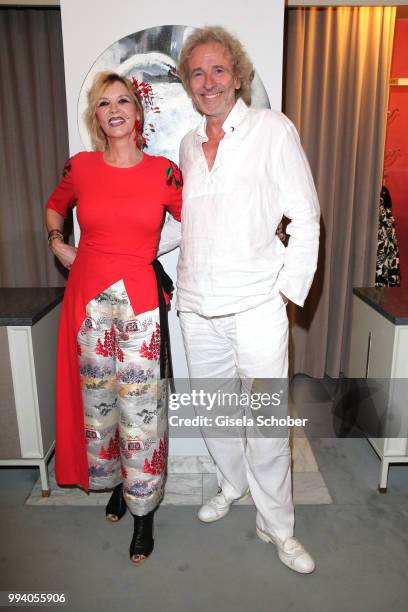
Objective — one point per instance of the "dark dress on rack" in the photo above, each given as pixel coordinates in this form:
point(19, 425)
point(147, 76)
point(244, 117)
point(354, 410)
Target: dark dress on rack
point(388, 272)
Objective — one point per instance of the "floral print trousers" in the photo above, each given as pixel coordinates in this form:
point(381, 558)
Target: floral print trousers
point(125, 402)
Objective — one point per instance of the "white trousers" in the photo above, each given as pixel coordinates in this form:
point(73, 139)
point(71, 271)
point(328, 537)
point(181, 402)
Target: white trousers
point(246, 345)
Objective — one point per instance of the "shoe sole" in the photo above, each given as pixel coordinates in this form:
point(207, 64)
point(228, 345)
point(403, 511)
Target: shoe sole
point(269, 540)
point(224, 513)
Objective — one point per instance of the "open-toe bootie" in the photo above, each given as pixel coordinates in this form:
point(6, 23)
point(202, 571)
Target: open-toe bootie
point(142, 542)
point(116, 506)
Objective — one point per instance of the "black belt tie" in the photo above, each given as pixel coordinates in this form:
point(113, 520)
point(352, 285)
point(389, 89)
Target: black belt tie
point(164, 282)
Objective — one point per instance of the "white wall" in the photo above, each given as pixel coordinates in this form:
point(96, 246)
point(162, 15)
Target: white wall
point(90, 26)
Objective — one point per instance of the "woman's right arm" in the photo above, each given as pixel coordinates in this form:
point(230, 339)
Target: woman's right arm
point(65, 253)
point(62, 198)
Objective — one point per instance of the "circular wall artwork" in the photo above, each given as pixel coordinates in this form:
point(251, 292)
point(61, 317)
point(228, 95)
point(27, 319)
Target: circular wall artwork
point(150, 56)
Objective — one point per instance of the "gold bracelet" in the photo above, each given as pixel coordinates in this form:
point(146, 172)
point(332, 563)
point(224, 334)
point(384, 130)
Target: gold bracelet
point(53, 234)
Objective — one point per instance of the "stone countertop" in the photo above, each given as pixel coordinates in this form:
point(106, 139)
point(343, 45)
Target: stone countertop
point(391, 302)
point(27, 305)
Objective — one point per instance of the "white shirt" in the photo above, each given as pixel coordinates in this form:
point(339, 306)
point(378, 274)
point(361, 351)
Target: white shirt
point(230, 257)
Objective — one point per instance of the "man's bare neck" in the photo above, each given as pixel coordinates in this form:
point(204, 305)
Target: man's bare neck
point(214, 128)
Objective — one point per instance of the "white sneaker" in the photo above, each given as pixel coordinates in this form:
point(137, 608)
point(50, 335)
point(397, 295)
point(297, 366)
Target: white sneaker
point(218, 507)
point(291, 552)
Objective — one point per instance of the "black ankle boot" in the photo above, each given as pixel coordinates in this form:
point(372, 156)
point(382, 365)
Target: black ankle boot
point(116, 506)
point(142, 542)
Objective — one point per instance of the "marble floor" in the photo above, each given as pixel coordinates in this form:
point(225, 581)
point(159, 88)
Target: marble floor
point(191, 481)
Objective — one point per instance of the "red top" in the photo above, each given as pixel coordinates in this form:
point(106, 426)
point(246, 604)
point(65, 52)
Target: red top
point(120, 212)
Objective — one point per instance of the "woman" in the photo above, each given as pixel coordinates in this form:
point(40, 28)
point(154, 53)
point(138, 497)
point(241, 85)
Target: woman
point(111, 404)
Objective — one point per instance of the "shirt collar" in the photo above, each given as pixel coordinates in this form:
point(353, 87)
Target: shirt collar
point(237, 113)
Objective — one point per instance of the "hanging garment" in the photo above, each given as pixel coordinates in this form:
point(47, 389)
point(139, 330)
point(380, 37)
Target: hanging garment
point(388, 272)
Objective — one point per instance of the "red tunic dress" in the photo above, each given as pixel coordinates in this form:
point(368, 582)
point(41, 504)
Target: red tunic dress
point(120, 212)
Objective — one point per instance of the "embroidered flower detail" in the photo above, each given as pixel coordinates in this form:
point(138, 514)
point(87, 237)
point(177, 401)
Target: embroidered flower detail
point(67, 168)
point(110, 347)
point(113, 451)
point(152, 352)
point(173, 175)
point(79, 350)
point(157, 464)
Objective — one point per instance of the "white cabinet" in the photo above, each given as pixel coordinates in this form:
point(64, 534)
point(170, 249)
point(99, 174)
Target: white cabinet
point(379, 350)
point(28, 334)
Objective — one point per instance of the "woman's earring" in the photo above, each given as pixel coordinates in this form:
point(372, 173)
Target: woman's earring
point(139, 139)
point(138, 128)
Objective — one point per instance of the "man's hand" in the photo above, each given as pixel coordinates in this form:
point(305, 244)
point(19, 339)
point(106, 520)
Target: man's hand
point(281, 231)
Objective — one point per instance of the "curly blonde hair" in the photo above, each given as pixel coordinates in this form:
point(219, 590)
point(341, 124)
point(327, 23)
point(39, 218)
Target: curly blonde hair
point(99, 84)
point(243, 69)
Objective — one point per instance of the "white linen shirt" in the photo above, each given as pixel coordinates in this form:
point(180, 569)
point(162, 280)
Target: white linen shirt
point(230, 257)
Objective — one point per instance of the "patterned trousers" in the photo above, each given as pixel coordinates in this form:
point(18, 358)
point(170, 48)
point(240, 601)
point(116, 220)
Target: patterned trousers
point(125, 402)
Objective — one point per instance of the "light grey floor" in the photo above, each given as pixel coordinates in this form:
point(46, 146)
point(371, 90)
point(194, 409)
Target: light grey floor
point(360, 544)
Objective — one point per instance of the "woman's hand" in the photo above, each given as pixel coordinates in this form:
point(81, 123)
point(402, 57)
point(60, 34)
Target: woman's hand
point(65, 253)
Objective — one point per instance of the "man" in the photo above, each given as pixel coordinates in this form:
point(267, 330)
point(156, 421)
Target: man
point(243, 170)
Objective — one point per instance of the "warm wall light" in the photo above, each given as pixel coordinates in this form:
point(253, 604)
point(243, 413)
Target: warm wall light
point(399, 82)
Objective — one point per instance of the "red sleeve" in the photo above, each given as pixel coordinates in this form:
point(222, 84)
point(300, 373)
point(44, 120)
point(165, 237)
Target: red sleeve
point(174, 182)
point(63, 196)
